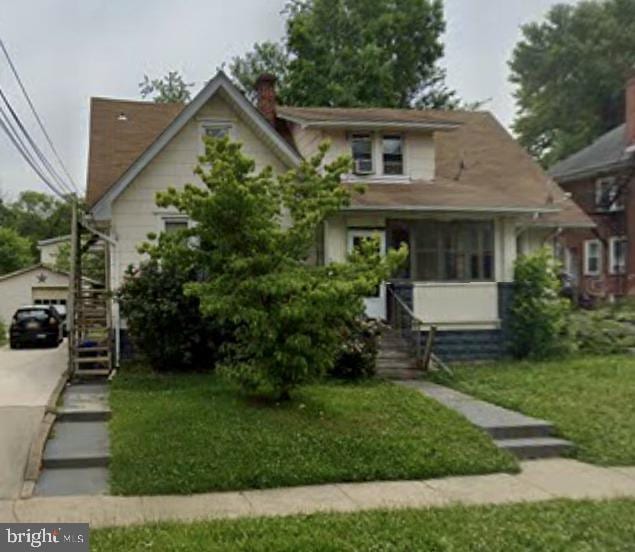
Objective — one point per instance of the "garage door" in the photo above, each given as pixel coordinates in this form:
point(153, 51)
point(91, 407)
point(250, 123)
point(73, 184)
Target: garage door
point(50, 295)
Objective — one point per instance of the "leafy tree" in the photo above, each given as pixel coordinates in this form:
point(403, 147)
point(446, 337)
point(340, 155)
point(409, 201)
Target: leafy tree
point(287, 316)
point(266, 57)
point(37, 216)
point(93, 263)
point(346, 53)
point(539, 321)
point(15, 251)
point(169, 89)
point(570, 71)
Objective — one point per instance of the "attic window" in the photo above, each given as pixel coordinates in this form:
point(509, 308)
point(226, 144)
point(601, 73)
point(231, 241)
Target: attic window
point(216, 130)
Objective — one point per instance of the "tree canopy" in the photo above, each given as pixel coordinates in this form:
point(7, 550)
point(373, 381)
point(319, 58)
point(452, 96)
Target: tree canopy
point(171, 88)
point(570, 71)
point(15, 251)
point(355, 53)
point(35, 216)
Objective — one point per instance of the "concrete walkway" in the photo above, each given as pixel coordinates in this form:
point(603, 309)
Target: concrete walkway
point(539, 480)
point(28, 377)
point(521, 435)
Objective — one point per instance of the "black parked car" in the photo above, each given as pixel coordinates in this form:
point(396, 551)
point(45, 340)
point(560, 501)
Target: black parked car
point(34, 325)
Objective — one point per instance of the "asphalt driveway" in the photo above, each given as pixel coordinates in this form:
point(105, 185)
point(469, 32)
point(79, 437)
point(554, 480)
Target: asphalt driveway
point(27, 379)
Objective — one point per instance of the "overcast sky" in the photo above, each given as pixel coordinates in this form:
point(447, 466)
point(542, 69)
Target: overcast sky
point(70, 50)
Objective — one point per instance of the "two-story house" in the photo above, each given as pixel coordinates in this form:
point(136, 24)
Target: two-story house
point(600, 179)
point(453, 185)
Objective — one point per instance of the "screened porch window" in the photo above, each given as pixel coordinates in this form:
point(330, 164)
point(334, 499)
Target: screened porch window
point(453, 251)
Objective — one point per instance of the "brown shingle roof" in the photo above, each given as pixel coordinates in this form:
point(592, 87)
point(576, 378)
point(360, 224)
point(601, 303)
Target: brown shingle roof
point(478, 164)
point(120, 131)
point(360, 114)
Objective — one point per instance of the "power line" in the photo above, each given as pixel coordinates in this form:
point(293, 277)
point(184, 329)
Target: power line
point(37, 117)
point(19, 145)
point(43, 160)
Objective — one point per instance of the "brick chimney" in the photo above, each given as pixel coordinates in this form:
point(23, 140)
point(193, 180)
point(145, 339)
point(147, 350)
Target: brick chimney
point(630, 109)
point(266, 96)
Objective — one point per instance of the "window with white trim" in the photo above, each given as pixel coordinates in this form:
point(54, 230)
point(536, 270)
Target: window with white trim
point(617, 254)
point(216, 130)
point(607, 194)
point(592, 257)
point(172, 225)
point(362, 151)
point(392, 154)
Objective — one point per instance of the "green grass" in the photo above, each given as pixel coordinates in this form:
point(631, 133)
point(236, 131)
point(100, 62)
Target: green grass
point(195, 433)
point(542, 527)
point(591, 400)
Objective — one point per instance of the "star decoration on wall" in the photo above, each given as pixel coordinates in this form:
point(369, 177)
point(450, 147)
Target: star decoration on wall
point(41, 277)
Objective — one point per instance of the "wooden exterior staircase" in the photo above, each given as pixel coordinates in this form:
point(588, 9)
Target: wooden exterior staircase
point(90, 324)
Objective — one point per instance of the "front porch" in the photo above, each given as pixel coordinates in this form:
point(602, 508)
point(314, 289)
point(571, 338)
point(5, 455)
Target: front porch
point(455, 269)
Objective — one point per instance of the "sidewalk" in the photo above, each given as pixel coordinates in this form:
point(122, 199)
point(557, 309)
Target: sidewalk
point(539, 480)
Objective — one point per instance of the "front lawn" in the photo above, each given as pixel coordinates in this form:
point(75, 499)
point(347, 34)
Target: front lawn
point(557, 526)
point(591, 400)
point(181, 434)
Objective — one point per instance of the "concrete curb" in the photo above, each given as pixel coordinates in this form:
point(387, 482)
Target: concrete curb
point(36, 451)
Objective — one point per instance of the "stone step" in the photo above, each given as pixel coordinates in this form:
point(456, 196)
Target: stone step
point(522, 431)
point(72, 482)
point(84, 403)
point(77, 445)
point(399, 374)
point(535, 447)
point(394, 354)
point(395, 364)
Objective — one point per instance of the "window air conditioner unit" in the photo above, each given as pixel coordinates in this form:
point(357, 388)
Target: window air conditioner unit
point(363, 166)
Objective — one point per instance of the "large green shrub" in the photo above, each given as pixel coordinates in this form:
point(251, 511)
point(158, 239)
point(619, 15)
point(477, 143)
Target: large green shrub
point(165, 325)
point(607, 330)
point(252, 235)
point(357, 358)
point(539, 316)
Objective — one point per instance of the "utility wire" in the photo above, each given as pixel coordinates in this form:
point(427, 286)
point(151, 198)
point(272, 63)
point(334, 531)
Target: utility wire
point(15, 139)
point(47, 165)
point(37, 117)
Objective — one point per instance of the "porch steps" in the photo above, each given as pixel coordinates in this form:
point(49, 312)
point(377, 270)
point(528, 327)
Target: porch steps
point(523, 436)
point(77, 454)
point(394, 360)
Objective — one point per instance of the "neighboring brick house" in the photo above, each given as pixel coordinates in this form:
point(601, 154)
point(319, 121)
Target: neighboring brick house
point(600, 179)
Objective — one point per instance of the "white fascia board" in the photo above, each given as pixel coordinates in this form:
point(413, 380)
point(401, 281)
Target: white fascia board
point(102, 209)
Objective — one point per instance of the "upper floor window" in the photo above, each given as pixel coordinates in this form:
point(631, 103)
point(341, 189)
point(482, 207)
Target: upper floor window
point(607, 195)
point(617, 255)
point(592, 257)
point(172, 225)
point(215, 130)
point(392, 147)
point(362, 146)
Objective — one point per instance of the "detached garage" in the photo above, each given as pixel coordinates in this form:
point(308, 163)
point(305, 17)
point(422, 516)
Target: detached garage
point(36, 285)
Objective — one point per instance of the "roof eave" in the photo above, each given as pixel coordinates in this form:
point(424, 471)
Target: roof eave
point(449, 208)
point(591, 171)
point(365, 125)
